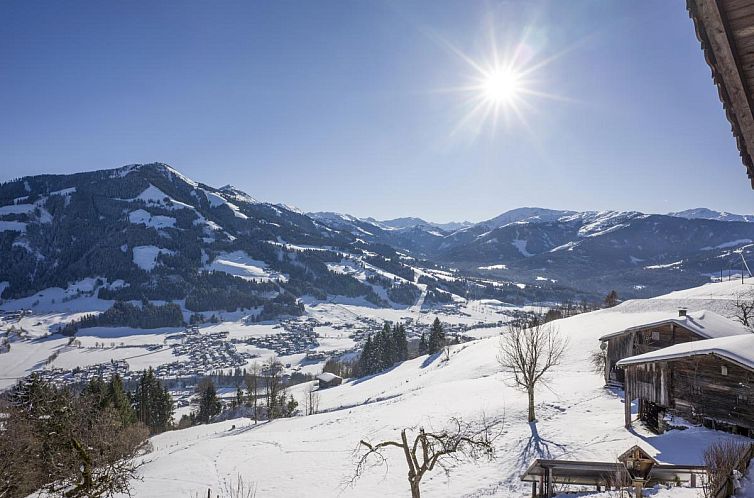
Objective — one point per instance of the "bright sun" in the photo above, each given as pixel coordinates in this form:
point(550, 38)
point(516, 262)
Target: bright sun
point(501, 86)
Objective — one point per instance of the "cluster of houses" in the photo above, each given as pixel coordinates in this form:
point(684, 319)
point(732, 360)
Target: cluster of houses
point(206, 352)
point(82, 375)
point(698, 366)
point(286, 343)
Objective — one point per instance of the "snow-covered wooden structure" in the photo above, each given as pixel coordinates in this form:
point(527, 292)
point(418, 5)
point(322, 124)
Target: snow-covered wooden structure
point(327, 379)
point(710, 382)
point(635, 468)
point(653, 336)
point(725, 29)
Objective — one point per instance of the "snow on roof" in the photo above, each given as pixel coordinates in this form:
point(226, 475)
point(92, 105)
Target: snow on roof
point(739, 349)
point(704, 323)
point(327, 377)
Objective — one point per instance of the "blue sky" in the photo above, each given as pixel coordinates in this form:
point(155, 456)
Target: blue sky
point(353, 106)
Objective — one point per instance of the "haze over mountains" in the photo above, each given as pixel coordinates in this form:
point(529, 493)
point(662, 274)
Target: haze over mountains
point(147, 231)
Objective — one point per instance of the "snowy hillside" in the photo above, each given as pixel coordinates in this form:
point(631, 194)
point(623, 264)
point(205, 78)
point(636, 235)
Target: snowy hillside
point(313, 455)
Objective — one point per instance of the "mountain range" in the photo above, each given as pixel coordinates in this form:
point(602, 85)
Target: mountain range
point(149, 232)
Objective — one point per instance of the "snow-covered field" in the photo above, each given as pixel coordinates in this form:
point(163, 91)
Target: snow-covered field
point(314, 455)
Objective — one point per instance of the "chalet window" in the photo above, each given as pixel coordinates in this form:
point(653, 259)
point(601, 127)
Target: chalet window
point(742, 399)
point(655, 335)
point(696, 390)
point(724, 370)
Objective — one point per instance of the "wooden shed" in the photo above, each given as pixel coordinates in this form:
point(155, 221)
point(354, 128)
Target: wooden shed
point(708, 382)
point(725, 29)
point(652, 336)
point(327, 379)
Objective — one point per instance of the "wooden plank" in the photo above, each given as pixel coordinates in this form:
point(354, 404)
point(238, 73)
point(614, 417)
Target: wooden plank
point(726, 65)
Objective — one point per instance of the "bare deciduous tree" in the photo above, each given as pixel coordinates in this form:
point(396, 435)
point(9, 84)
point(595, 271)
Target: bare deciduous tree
point(598, 359)
point(252, 387)
point(427, 450)
point(721, 458)
point(744, 309)
point(311, 401)
point(529, 353)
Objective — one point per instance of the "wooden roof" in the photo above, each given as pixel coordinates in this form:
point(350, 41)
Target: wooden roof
point(725, 29)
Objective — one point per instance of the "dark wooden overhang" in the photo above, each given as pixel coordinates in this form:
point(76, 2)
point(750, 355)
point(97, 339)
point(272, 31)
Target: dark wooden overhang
point(725, 29)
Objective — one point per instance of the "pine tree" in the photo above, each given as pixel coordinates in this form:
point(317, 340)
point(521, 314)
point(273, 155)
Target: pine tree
point(153, 403)
point(117, 398)
point(386, 348)
point(611, 299)
point(366, 358)
point(209, 403)
point(423, 346)
point(436, 337)
point(400, 342)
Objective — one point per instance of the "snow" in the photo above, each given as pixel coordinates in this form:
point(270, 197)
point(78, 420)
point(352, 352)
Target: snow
point(153, 195)
point(494, 267)
point(668, 265)
point(726, 245)
point(12, 226)
point(216, 200)
point(242, 265)
point(577, 419)
point(521, 246)
point(16, 209)
point(155, 221)
point(145, 257)
point(704, 323)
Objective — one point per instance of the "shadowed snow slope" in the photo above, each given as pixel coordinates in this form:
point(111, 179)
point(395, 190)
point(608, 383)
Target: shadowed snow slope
point(313, 455)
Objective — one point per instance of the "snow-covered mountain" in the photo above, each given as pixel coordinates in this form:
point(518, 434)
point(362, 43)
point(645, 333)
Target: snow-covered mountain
point(157, 231)
point(709, 214)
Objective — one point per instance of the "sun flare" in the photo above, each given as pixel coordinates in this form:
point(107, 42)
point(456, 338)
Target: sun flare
point(501, 86)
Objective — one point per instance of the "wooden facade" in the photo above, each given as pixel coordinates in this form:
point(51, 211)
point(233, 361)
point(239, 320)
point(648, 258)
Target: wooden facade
point(642, 340)
point(709, 390)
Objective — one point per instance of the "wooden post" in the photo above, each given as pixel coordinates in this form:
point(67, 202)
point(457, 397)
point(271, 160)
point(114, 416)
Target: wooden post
point(638, 493)
point(534, 489)
point(693, 480)
point(627, 398)
point(550, 492)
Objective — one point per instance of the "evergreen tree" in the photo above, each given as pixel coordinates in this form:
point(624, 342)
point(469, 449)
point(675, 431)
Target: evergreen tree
point(423, 346)
point(153, 403)
point(400, 342)
point(117, 398)
point(436, 337)
point(386, 348)
point(366, 365)
point(209, 403)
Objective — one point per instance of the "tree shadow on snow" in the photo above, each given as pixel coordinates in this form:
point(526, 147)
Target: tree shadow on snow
point(430, 359)
point(537, 447)
point(370, 377)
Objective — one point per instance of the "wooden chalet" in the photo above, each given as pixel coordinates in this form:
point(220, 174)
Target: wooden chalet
point(643, 338)
point(708, 382)
point(725, 29)
point(327, 379)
